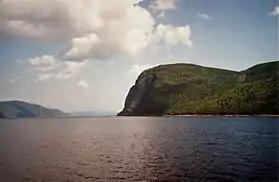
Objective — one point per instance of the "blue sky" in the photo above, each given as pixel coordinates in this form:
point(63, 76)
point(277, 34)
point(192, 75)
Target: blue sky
point(87, 58)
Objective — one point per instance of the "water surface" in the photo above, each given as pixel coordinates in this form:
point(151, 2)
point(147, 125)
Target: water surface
point(139, 149)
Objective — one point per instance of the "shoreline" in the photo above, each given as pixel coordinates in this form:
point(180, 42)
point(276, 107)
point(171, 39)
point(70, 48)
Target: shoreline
point(227, 115)
point(204, 115)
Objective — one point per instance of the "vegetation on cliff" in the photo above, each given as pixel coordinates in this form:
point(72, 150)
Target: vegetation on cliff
point(192, 89)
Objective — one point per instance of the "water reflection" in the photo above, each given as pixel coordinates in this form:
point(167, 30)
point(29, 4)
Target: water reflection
point(139, 149)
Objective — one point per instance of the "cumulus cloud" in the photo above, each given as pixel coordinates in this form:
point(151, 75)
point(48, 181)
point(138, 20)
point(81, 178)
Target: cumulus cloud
point(48, 67)
point(203, 16)
point(44, 63)
point(83, 83)
point(85, 47)
point(54, 19)
point(95, 29)
point(128, 41)
point(171, 35)
point(275, 12)
point(81, 47)
point(106, 26)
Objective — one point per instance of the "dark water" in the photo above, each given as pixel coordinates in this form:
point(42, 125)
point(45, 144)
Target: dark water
point(139, 149)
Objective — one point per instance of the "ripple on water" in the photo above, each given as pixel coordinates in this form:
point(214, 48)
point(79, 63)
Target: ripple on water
point(140, 149)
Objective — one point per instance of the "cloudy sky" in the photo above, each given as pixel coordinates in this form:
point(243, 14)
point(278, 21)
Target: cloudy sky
point(86, 54)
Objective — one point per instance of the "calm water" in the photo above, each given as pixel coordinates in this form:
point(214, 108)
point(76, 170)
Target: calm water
point(139, 149)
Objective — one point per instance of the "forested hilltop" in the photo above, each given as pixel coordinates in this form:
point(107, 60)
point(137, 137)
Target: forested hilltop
point(186, 89)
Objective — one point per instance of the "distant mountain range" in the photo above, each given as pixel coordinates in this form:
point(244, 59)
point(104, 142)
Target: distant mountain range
point(94, 113)
point(20, 109)
point(188, 89)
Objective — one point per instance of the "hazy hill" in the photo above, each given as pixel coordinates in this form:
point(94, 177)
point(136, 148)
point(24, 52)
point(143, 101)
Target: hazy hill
point(19, 109)
point(93, 113)
point(193, 89)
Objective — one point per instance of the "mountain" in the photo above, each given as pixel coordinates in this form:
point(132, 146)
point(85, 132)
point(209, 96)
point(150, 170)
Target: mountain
point(177, 89)
point(20, 109)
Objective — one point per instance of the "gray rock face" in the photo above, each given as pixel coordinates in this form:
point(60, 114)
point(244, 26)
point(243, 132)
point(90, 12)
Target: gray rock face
point(138, 93)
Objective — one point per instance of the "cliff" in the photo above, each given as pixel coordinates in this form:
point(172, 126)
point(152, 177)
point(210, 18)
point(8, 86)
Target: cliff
point(191, 89)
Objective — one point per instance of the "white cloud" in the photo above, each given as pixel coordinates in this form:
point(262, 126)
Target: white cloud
point(172, 36)
point(69, 64)
point(54, 19)
point(48, 67)
point(70, 69)
point(203, 16)
point(105, 26)
point(127, 35)
point(44, 63)
point(158, 5)
point(83, 83)
point(275, 12)
point(82, 46)
point(93, 28)
point(137, 29)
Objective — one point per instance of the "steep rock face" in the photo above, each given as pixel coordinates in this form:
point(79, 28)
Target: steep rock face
point(193, 89)
point(138, 93)
point(19, 109)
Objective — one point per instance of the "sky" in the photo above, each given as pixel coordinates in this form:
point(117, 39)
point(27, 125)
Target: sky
point(86, 54)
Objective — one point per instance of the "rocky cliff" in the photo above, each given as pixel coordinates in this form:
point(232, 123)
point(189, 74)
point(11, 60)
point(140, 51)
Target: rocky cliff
point(192, 89)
